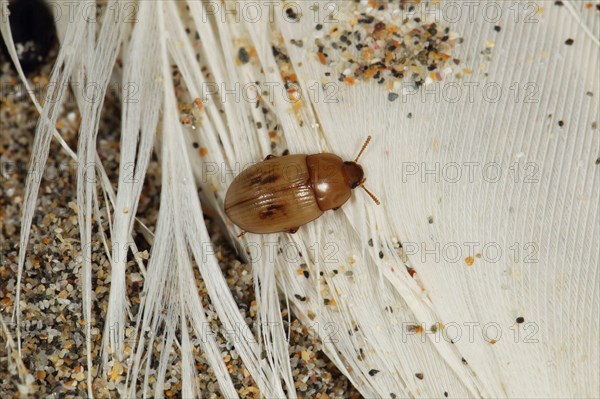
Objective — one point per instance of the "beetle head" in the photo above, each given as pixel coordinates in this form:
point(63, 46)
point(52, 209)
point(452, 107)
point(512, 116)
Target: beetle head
point(355, 176)
point(353, 173)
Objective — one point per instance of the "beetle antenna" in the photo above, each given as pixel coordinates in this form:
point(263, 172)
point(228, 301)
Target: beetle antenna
point(373, 197)
point(363, 148)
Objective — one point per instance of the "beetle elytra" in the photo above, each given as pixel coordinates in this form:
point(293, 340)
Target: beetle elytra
point(280, 194)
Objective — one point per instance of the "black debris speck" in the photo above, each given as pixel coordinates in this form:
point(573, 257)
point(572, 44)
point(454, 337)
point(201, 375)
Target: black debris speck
point(569, 42)
point(520, 319)
point(561, 123)
point(298, 43)
point(393, 96)
point(419, 375)
point(372, 372)
point(291, 14)
point(243, 55)
point(497, 28)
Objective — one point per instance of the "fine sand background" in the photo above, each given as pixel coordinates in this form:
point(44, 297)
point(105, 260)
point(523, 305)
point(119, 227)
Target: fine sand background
point(53, 341)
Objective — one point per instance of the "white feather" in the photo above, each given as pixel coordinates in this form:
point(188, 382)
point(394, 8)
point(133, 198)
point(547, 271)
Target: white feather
point(542, 212)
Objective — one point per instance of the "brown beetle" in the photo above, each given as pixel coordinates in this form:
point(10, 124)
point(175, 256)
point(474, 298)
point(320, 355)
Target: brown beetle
point(282, 193)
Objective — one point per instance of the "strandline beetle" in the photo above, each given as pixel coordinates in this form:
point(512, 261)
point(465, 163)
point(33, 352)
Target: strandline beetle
point(280, 194)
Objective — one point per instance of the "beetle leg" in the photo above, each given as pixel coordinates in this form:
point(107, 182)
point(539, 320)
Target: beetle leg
point(336, 208)
point(241, 234)
point(269, 157)
point(293, 230)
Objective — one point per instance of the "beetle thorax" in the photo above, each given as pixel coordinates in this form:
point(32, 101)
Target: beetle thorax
point(331, 179)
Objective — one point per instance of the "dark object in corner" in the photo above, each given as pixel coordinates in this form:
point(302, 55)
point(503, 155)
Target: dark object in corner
point(33, 31)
